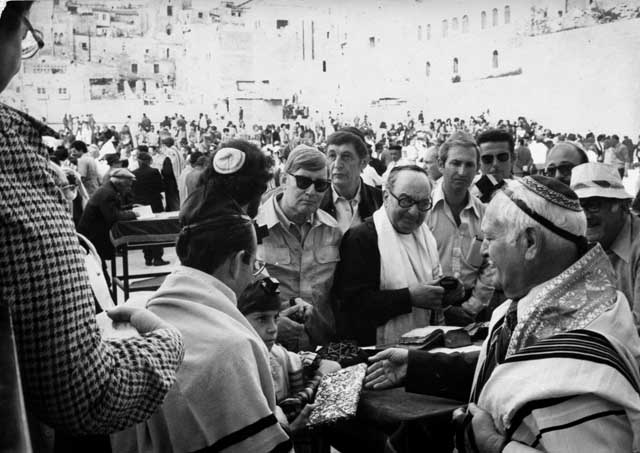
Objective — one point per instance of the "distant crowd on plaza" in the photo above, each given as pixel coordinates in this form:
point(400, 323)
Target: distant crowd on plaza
point(288, 245)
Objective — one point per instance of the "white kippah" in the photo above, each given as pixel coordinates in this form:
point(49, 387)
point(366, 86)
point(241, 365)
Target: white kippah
point(228, 160)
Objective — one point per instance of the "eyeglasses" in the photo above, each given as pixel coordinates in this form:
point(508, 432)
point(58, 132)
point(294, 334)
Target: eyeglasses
point(592, 205)
point(406, 202)
point(564, 169)
point(487, 159)
point(32, 42)
point(303, 182)
point(258, 267)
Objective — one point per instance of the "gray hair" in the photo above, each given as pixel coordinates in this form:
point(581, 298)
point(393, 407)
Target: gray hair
point(514, 221)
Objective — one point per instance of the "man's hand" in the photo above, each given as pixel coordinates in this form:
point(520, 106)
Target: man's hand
point(302, 419)
point(426, 296)
point(457, 316)
point(388, 370)
point(140, 318)
point(303, 309)
point(488, 439)
point(289, 331)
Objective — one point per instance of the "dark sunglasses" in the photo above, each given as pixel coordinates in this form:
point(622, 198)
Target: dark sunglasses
point(32, 42)
point(564, 169)
point(303, 182)
point(406, 202)
point(487, 159)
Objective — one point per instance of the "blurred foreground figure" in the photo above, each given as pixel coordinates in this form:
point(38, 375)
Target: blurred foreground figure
point(73, 380)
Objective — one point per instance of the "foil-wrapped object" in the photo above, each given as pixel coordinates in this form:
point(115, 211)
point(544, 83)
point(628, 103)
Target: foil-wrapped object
point(338, 395)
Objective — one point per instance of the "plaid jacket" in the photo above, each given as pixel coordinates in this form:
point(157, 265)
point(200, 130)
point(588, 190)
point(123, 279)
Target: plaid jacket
point(72, 379)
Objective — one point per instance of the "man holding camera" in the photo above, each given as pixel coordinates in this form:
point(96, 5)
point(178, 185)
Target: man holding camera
point(389, 269)
point(455, 220)
point(301, 250)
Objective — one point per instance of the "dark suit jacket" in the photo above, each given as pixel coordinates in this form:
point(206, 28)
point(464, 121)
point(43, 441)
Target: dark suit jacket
point(362, 305)
point(370, 201)
point(148, 188)
point(102, 211)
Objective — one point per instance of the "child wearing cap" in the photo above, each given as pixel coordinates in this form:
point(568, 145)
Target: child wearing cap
point(295, 375)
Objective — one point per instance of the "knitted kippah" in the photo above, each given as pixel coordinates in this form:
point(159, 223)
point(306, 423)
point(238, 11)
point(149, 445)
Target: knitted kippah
point(553, 191)
point(228, 160)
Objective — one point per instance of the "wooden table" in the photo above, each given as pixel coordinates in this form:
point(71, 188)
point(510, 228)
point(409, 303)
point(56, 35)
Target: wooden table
point(162, 231)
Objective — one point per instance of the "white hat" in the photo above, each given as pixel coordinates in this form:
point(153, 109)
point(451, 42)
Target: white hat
point(594, 179)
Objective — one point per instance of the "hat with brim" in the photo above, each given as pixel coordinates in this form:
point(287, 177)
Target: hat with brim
point(122, 173)
point(595, 179)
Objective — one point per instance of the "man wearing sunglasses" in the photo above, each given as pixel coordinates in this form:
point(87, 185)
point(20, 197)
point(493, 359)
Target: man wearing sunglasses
point(301, 250)
point(387, 277)
point(561, 160)
point(496, 162)
point(610, 223)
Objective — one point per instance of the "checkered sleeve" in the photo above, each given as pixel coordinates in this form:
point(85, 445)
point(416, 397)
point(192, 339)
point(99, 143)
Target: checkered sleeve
point(72, 379)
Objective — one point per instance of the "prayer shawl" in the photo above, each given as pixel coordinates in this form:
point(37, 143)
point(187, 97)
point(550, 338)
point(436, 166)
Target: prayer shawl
point(570, 381)
point(398, 271)
point(224, 396)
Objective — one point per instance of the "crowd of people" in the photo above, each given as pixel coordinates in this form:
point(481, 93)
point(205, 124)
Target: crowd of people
point(294, 237)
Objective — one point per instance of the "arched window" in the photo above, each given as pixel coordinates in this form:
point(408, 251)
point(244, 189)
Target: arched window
point(507, 14)
point(454, 23)
point(419, 32)
point(427, 69)
point(494, 60)
point(495, 17)
point(483, 20)
point(445, 28)
point(455, 65)
point(428, 32)
point(465, 24)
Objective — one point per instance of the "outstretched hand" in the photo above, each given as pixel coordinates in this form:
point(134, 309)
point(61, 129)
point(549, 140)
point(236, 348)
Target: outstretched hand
point(388, 369)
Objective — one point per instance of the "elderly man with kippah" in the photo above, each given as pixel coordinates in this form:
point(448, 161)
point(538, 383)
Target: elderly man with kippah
point(301, 250)
point(610, 223)
point(559, 369)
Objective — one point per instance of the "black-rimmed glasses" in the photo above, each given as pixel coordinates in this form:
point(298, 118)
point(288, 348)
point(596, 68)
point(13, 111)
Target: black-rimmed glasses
point(303, 183)
point(487, 159)
point(405, 201)
point(32, 42)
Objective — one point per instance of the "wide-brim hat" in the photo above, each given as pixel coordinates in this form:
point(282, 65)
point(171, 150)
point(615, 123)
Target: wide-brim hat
point(595, 179)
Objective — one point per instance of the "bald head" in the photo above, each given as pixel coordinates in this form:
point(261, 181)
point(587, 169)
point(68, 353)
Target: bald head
point(562, 158)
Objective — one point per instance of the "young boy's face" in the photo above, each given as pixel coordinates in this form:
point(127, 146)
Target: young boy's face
point(266, 324)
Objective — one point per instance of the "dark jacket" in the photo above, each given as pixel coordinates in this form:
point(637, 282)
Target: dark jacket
point(362, 305)
point(370, 201)
point(105, 207)
point(148, 188)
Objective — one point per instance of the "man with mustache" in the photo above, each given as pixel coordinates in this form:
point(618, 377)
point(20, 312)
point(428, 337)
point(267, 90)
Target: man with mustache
point(610, 222)
point(455, 221)
point(301, 250)
point(387, 278)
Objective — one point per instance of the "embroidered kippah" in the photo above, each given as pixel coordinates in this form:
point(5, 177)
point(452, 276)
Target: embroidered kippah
point(553, 191)
point(228, 160)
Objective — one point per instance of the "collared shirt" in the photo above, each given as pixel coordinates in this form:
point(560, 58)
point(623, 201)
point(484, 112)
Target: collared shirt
point(44, 282)
point(459, 247)
point(625, 258)
point(304, 268)
point(347, 213)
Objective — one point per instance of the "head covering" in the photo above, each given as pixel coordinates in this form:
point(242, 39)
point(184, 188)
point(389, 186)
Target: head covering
point(144, 156)
point(112, 158)
point(122, 173)
point(598, 180)
point(228, 160)
point(261, 295)
point(554, 192)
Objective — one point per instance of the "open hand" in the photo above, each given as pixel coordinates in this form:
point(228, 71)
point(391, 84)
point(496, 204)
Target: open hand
point(487, 437)
point(302, 419)
point(388, 370)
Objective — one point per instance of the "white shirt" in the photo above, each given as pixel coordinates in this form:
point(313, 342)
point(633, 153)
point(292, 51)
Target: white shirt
point(346, 210)
point(371, 177)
